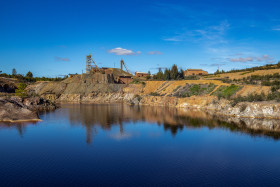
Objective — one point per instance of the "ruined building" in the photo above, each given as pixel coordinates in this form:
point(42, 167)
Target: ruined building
point(190, 72)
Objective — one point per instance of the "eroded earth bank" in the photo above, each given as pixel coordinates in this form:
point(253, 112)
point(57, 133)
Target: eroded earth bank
point(198, 94)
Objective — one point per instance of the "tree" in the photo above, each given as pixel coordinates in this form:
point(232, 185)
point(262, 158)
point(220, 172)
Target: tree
point(181, 74)
point(159, 75)
point(29, 74)
point(166, 74)
point(149, 75)
point(14, 71)
point(174, 72)
point(217, 72)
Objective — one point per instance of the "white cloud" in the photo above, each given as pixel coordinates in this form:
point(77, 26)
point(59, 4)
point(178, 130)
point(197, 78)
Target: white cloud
point(121, 51)
point(155, 53)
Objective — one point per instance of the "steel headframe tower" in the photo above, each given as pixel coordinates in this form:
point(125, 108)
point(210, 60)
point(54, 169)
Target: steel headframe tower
point(88, 66)
point(123, 64)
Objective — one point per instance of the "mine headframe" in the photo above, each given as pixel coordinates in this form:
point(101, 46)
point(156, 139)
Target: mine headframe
point(123, 64)
point(90, 62)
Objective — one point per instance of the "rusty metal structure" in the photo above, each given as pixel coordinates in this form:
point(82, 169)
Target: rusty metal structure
point(88, 66)
point(123, 64)
point(89, 63)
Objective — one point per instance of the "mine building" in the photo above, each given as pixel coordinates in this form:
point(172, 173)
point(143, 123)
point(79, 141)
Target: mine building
point(190, 72)
point(141, 74)
point(124, 79)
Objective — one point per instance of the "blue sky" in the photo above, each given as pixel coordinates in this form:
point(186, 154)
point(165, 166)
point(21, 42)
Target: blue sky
point(52, 38)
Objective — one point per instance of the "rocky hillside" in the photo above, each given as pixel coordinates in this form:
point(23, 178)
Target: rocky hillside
point(215, 95)
point(77, 88)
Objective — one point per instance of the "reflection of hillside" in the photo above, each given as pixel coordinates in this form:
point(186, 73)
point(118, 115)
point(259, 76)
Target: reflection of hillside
point(172, 119)
point(20, 127)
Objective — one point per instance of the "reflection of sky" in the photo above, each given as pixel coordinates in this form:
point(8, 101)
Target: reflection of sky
point(140, 152)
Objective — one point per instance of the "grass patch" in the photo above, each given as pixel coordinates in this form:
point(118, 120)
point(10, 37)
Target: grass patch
point(194, 89)
point(227, 91)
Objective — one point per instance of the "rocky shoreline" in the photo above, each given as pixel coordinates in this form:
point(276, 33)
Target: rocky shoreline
point(17, 109)
point(92, 89)
point(221, 107)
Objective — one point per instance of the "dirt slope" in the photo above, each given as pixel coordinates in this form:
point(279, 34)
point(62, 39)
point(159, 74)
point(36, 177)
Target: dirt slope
point(241, 75)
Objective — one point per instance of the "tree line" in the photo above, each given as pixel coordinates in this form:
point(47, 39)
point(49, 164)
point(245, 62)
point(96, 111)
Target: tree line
point(169, 74)
point(29, 77)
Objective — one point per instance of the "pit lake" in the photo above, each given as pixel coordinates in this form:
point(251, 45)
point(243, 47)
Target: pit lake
point(122, 145)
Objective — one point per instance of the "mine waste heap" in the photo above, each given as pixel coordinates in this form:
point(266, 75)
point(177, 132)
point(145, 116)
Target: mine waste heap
point(107, 75)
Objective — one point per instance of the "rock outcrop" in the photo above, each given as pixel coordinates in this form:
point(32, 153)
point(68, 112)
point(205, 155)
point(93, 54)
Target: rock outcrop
point(7, 85)
point(17, 109)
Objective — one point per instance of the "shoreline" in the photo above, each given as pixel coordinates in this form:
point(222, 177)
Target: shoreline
point(20, 120)
point(201, 108)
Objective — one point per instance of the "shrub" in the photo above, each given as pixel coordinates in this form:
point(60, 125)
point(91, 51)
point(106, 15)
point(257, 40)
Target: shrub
point(191, 77)
point(154, 94)
point(20, 91)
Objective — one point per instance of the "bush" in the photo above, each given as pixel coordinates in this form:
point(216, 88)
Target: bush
point(191, 77)
point(257, 97)
point(20, 91)
point(29, 74)
point(137, 81)
point(154, 94)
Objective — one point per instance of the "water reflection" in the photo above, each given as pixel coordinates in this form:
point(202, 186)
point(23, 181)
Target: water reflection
point(172, 119)
point(20, 126)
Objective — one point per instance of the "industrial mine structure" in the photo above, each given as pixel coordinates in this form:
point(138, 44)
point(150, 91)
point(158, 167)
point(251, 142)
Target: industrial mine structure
point(118, 75)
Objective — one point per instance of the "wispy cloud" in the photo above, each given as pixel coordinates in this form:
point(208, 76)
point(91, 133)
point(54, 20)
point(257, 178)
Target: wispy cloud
point(121, 51)
point(62, 46)
point(213, 65)
point(276, 29)
point(62, 59)
point(241, 59)
point(155, 53)
point(264, 58)
point(213, 33)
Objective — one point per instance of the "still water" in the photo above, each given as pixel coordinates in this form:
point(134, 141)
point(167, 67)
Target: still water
point(121, 145)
